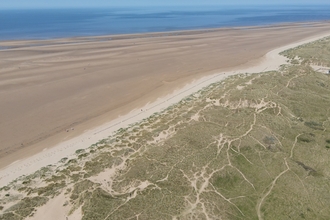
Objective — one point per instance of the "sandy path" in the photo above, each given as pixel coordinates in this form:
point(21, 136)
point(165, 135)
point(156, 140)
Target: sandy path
point(134, 97)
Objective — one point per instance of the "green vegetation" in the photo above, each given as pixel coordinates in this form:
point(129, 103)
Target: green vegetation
point(317, 52)
point(251, 147)
point(23, 208)
point(50, 190)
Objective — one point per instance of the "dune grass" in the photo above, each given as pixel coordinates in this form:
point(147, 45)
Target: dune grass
point(317, 52)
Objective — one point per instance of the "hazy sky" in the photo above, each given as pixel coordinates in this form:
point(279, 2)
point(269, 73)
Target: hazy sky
point(5, 4)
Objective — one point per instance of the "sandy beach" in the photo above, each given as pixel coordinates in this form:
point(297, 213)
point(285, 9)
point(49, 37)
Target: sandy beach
point(66, 94)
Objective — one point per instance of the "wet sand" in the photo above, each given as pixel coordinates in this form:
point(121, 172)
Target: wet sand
point(49, 87)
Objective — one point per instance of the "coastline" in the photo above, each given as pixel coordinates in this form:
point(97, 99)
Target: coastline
point(26, 43)
point(271, 61)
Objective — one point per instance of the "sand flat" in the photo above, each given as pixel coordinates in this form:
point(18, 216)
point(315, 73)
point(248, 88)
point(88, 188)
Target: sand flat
point(84, 82)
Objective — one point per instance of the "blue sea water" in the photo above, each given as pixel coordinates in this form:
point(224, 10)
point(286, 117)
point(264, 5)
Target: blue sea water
point(57, 23)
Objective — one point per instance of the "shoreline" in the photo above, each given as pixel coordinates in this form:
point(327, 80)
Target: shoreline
point(271, 61)
point(74, 40)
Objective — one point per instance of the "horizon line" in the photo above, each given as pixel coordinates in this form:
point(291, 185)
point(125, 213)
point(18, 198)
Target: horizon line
point(167, 6)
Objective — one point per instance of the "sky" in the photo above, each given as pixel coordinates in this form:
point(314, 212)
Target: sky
point(19, 4)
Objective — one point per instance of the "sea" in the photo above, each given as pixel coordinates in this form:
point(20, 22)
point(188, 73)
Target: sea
point(59, 23)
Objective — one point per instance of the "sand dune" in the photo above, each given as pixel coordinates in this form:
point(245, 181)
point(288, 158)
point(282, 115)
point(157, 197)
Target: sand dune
point(82, 83)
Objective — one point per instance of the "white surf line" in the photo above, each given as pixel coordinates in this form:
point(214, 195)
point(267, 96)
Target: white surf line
point(271, 61)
